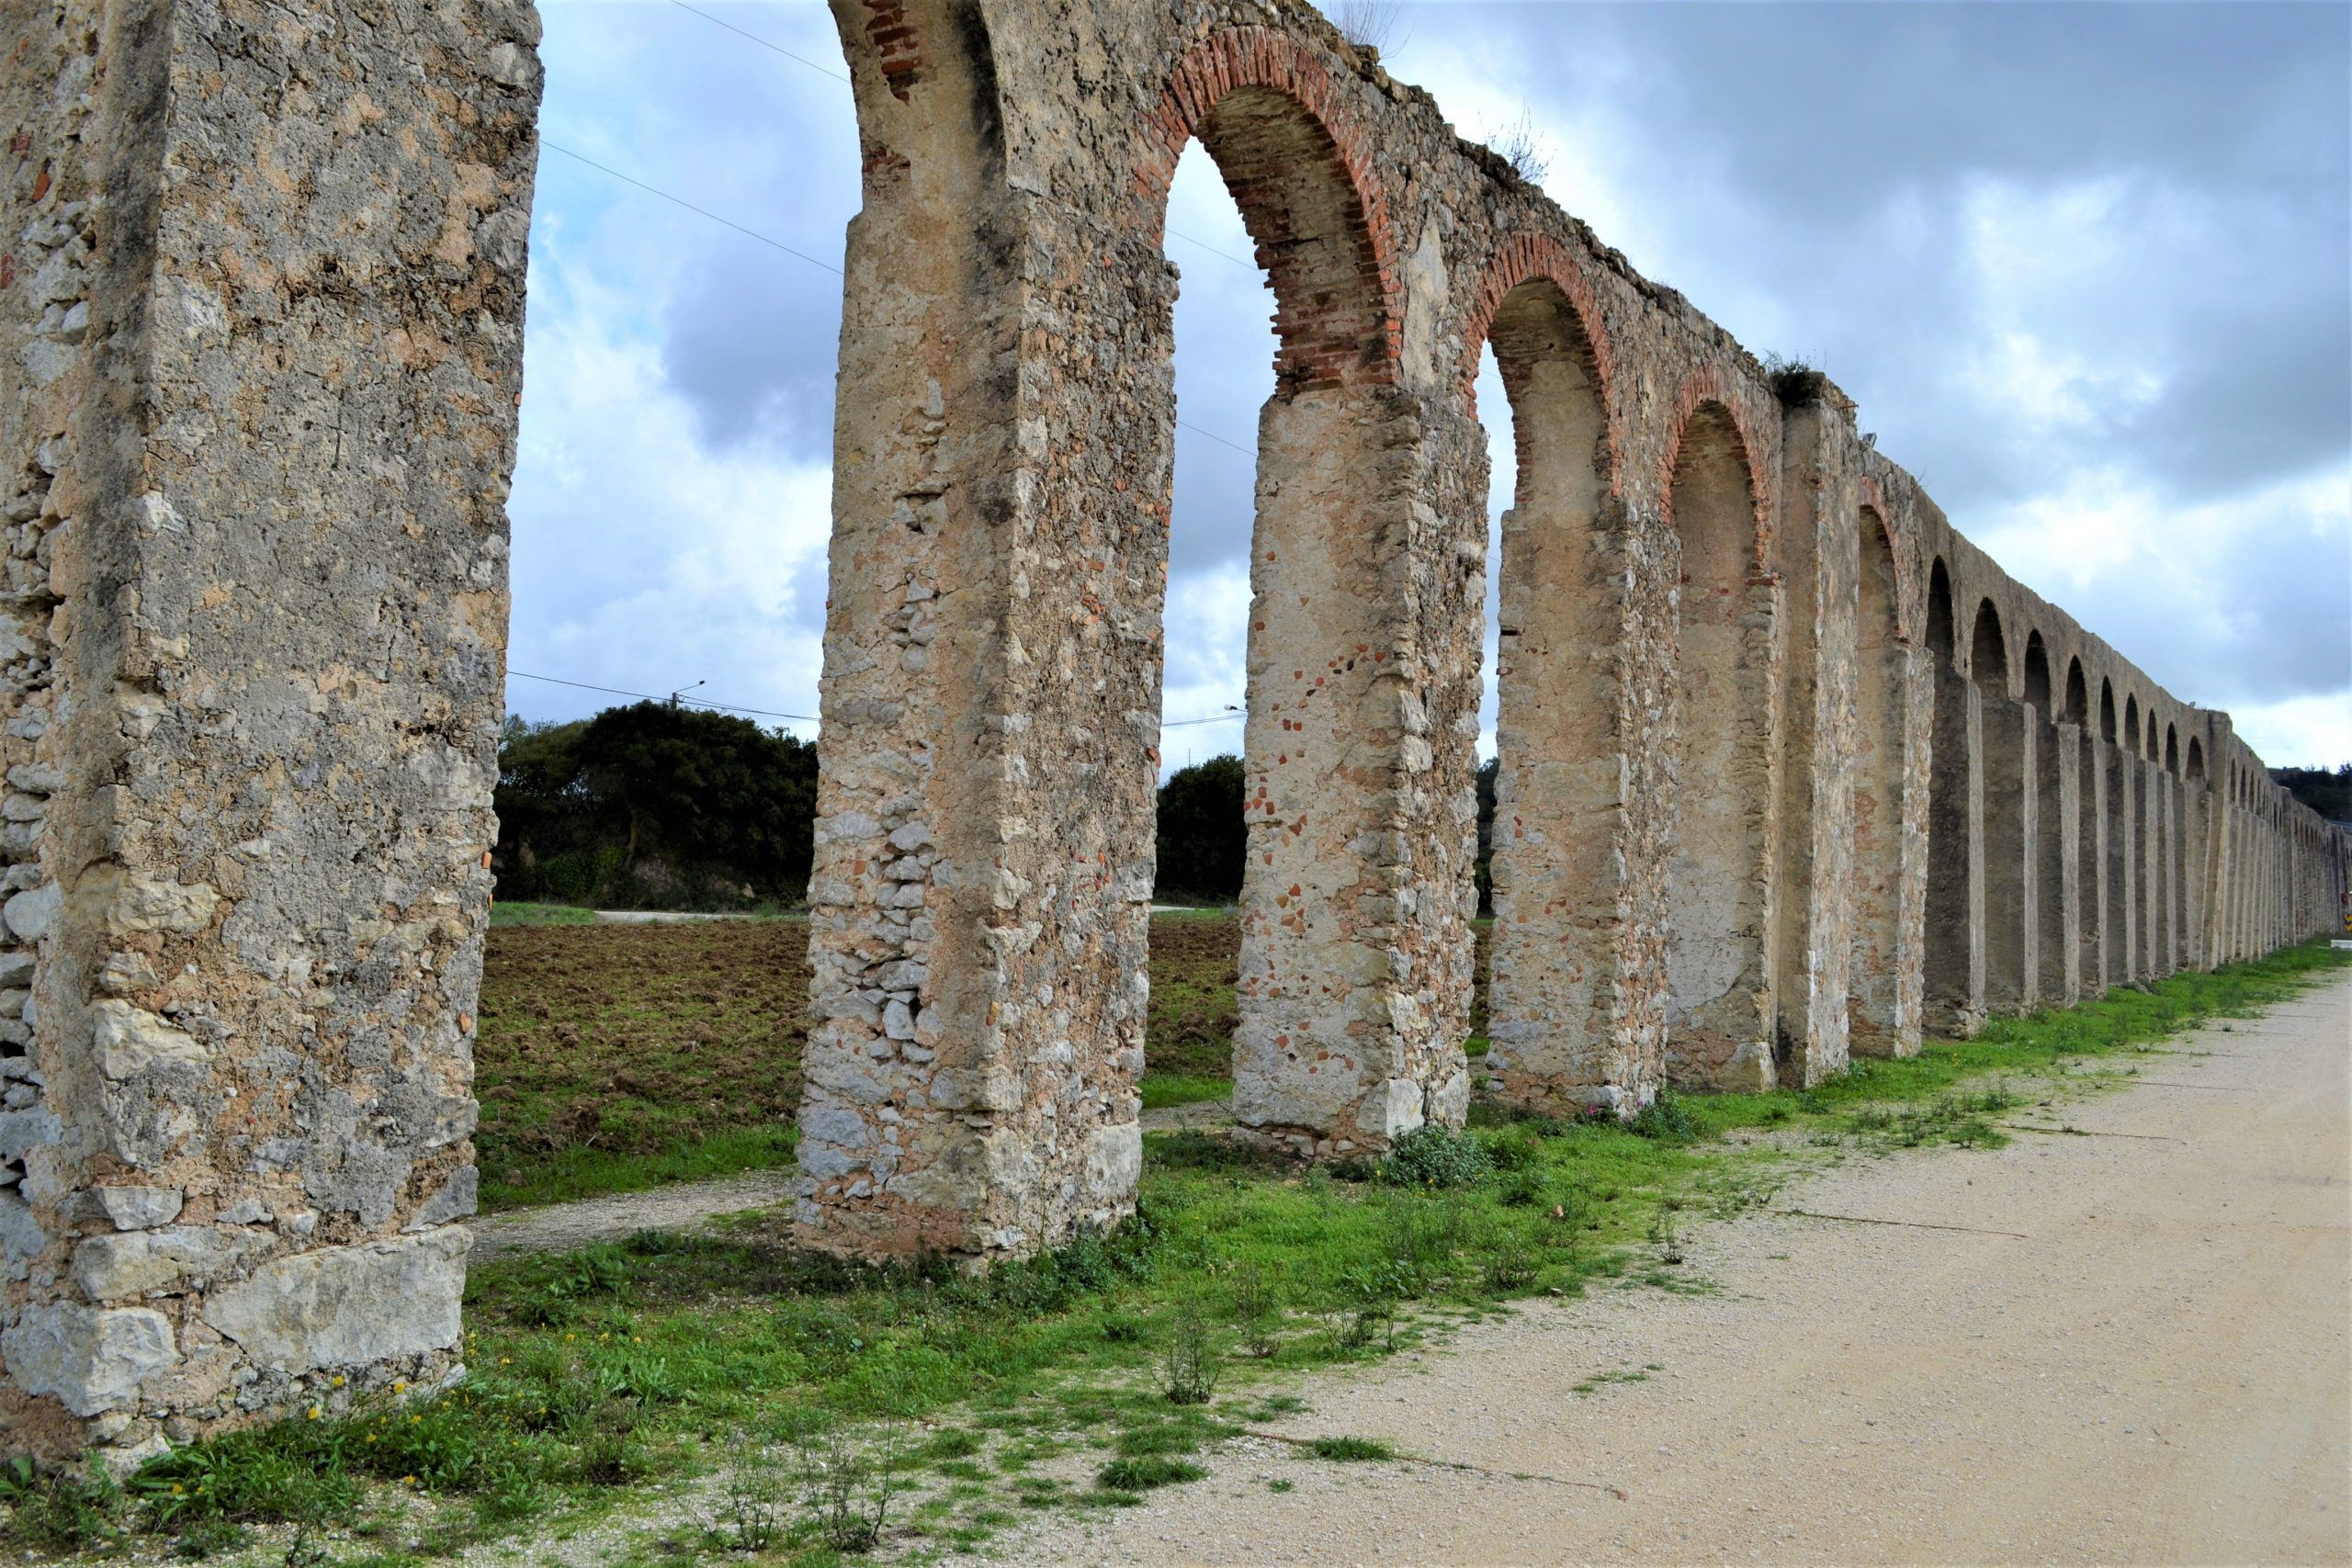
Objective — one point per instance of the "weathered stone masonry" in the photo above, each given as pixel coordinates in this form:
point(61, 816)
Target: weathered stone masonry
point(1788, 767)
point(1768, 795)
point(261, 314)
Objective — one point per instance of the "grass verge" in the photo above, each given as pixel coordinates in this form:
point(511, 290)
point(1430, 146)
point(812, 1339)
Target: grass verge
point(938, 1406)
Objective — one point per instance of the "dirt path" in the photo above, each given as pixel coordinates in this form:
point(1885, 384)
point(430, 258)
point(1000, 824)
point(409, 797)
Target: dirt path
point(691, 1205)
point(2154, 1368)
point(556, 1227)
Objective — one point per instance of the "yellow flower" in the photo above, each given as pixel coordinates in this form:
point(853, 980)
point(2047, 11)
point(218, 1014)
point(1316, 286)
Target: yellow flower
point(176, 1488)
point(414, 1420)
point(400, 1386)
point(371, 1437)
point(338, 1380)
point(314, 1413)
point(408, 1480)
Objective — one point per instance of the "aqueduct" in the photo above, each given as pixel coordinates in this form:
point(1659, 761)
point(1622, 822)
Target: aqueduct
point(1790, 769)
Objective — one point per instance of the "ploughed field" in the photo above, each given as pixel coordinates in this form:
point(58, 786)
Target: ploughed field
point(615, 1057)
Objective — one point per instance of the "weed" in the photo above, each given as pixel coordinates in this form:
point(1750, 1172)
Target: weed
point(1280, 1486)
point(752, 1511)
point(209, 1539)
point(1432, 1156)
point(1351, 1448)
point(846, 1488)
point(1190, 1364)
point(64, 1512)
point(1143, 1472)
point(1666, 1232)
point(1665, 1119)
point(1257, 1307)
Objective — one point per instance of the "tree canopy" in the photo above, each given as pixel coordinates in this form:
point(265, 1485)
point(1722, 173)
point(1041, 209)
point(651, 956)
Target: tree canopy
point(653, 806)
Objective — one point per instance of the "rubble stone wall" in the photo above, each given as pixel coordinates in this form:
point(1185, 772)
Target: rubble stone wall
point(262, 323)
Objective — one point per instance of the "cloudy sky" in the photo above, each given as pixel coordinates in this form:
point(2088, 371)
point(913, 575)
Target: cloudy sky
point(2087, 268)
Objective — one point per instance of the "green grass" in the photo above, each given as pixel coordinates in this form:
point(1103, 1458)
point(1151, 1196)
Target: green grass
point(578, 1172)
point(1350, 1449)
point(598, 1368)
point(506, 913)
point(1163, 1090)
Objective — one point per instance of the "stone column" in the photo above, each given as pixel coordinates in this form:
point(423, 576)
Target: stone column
point(2090, 857)
point(1882, 1023)
point(1955, 918)
point(2123, 963)
point(2057, 812)
point(269, 299)
point(2176, 952)
point(2148, 851)
point(2011, 864)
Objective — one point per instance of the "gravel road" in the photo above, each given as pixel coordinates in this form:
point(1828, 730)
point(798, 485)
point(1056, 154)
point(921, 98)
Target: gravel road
point(2154, 1366)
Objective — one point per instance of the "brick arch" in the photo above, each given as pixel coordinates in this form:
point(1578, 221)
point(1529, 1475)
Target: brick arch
point(1334, 328)
point(1701, 387)
point(1529, 258)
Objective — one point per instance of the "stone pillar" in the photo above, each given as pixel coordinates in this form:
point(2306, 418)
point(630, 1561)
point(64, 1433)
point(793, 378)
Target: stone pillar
point(2175, 950)
point(2090, 860)
point(2011, 864)
point(2123, 964)
point(256, 657)
point(2057, 815)
point(1883, 1023)
point(2148, 851)
point(1955, 917)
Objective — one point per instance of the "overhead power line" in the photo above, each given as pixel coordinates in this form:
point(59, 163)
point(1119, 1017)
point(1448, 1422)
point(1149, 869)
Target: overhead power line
point(681, 201)
point(675, 698)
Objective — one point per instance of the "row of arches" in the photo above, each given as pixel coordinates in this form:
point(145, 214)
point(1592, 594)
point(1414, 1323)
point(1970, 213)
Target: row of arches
point(1758, 781)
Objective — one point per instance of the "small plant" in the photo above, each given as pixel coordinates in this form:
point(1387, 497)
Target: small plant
point(752, 1513)
point(1144, 1471)
point(1507, 1265)
point(1280, 1486)
point(1350, 1449)
point(1516, 144)
point(1123, 1328)
point(1666, 1232)
point(1190, 1365)
point(1665, 1119)
point(1795, 383)
point(63, 1513)
point(1431, 1155)
point(846, 1488)
point(304, 1552)
point(1256, 1308)
point(1367, 24)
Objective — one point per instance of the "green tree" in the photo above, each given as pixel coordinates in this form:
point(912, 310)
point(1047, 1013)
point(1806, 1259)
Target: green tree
point(652, 804)
point(2327, 792)
point(1204, 838)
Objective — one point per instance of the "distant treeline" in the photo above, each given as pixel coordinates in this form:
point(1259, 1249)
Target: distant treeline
point(651, 807)
point(2327, 792)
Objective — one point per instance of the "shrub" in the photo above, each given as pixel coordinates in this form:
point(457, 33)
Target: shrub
point(1665, 1119)
point(1432, 1156)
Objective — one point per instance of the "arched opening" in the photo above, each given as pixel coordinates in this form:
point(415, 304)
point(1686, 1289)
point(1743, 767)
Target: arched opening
point(1350, 1023)
point(2090, 838)
point(2171, 749)
point(1988, 653)
point(2131, 725)
point(2005, 746)
point(1718, 1017)
point(1953, 972)
point(1551, 1006)
point(2196, 760)
point(1875, 1020)
point(2051, 832)
point(2107, 712)
point(2037, 675)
